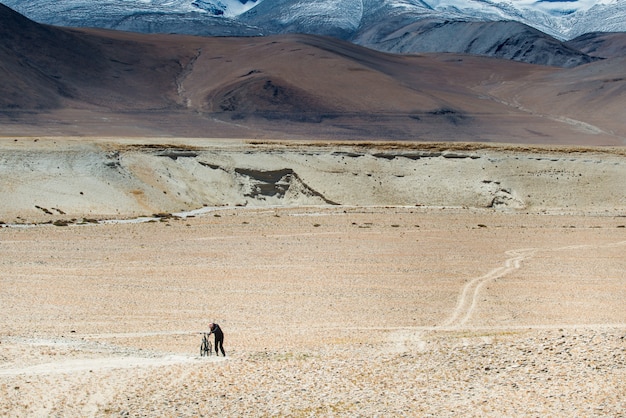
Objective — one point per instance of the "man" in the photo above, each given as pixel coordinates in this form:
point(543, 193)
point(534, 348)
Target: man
point(219, 338)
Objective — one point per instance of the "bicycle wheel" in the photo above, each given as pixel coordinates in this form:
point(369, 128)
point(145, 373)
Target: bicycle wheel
point(204, 349)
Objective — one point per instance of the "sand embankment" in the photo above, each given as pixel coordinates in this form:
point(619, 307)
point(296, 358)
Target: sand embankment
point(48, 179)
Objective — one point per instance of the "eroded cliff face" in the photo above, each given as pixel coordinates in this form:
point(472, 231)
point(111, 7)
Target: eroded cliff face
point(77, 180)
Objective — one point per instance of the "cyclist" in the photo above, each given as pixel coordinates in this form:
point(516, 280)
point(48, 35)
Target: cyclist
point(219, 338)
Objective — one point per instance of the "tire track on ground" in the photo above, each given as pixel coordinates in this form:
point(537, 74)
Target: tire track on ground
point(468, 298)
point(106, 358)
point(469, 294)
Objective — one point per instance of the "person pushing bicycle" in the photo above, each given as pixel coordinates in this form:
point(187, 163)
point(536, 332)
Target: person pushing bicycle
point(219, 338)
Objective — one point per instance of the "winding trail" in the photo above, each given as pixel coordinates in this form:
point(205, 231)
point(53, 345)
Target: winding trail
point(107, 357)
point(468, 298)
point(466, 303)
point(469, 295)
point(403, 337)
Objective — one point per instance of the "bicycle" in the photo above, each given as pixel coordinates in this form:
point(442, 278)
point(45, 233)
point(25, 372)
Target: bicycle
point(206, 348)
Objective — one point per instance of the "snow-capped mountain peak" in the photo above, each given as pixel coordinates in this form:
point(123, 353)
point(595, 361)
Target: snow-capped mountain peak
point(227, 8)
point(553, 7)
point(560, 7)
point(562, 19)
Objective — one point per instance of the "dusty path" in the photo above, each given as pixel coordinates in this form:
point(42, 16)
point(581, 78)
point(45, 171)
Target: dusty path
point(468, 298)
point(102, 363)
point(469, 295)
point(407, 338)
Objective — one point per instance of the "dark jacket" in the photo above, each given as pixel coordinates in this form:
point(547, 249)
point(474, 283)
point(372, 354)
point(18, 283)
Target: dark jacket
point(217, 331)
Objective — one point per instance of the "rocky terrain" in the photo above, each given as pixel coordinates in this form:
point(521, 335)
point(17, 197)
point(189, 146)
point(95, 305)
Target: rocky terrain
point(350, 279)
point(327, 311)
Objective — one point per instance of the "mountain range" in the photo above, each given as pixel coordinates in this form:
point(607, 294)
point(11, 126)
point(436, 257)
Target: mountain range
point(73, 81)
point(528, 31)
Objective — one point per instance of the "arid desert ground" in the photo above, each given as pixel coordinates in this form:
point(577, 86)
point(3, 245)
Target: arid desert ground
point(512, 306)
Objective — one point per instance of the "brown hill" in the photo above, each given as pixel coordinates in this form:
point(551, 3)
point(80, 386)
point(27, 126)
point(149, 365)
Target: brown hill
point(591, 97)
point(601, 44)
point(57, 68)
point(93, 82)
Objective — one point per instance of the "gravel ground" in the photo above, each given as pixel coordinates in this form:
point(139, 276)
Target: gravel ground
point(363, 311)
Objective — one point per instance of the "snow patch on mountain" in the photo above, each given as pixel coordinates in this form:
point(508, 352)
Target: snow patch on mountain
point(338, 18)
point(44, 10)
point(562, 19)
point(504, 8)
point(228, 8)
point(344, 13)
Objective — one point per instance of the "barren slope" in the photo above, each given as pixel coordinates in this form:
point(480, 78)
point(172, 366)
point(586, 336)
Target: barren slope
point(591, 97)
point(601, 44)
point(88, 82)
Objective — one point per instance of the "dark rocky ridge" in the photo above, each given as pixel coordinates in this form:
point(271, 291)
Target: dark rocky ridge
point(508, 40)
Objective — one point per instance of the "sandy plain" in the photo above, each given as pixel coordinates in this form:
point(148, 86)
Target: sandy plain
point(328, 310)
